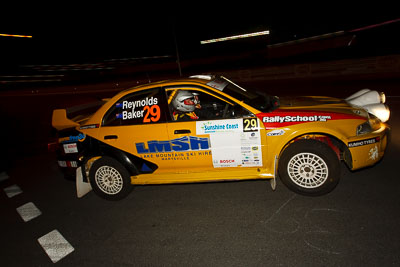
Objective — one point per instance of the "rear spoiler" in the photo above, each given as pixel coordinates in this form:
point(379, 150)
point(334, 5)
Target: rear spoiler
point(60, 118)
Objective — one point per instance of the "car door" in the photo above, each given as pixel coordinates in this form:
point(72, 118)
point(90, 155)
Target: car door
point(220, 134)
point(136, 123)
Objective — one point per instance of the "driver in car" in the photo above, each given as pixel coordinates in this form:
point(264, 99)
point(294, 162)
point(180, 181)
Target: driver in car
point(186, 107)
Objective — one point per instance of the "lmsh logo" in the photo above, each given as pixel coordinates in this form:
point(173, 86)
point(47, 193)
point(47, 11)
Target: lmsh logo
point(185, 143)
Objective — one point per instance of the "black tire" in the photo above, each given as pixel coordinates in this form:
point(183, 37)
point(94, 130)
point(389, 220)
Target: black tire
point(309, 167)
point(110, 179)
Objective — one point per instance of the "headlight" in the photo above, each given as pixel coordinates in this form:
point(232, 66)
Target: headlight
point(383, 97)
point(364, 128)
point(372, 124)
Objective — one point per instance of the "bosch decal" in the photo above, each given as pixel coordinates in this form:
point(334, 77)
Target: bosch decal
point(185, 143)
point(364, 142)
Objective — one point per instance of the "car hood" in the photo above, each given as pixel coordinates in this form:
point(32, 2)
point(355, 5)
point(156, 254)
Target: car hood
point(320, 103)
point(306, 109)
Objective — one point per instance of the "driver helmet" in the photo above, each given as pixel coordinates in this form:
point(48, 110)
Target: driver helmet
point(185, 101)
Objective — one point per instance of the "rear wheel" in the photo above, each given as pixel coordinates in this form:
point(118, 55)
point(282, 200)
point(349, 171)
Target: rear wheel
point(309, 167)
point(110, 179)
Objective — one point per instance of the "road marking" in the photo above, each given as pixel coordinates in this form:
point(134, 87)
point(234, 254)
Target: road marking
point(3, 176)
point(55, 245)
point(28, 211)
point(12, 190)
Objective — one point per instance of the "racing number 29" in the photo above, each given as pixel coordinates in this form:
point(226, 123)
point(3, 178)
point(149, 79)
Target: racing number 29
point(152, 113)
point(250, 125)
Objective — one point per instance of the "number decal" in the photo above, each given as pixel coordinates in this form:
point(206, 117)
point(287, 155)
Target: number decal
point(250, 125)
point(154, 113)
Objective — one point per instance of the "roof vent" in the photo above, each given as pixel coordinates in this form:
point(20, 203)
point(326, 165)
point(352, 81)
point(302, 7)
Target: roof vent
point(202, 76)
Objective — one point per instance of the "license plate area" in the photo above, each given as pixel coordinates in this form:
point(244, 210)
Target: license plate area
point(70, 148)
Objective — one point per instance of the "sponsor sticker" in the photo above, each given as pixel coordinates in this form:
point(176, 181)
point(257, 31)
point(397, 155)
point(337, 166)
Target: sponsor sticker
point(73, 138)
point(90, 126)
point(280, 118)
point(276, 132)
point(373, 153)
point(234, 143)
point(364, 142)
point(297, 118)
point(70, 148)
point(219, 126)
point(182, 144)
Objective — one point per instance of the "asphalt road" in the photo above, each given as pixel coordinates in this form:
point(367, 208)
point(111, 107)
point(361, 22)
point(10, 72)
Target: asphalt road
point(209, 224)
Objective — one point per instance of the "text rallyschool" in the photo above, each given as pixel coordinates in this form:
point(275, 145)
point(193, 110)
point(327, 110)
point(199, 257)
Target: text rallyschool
point(297, 118)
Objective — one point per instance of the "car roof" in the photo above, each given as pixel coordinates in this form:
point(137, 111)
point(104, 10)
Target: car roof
point(200, 79)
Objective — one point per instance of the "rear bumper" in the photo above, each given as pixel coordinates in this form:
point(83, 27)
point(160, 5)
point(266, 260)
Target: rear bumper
point(369, 149)
point(68, 165)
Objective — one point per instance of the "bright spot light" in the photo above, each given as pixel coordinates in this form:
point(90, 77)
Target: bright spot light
point(247, 35)
point(15, 35)
point(380, 110)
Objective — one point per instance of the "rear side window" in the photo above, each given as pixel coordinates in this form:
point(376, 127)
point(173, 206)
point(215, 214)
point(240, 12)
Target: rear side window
point(142, 107)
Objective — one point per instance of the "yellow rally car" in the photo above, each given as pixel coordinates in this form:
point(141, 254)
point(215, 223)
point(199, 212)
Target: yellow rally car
point(207, 128)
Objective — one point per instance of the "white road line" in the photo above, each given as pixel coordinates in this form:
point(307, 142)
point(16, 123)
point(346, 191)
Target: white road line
point(55, 245)
point(3, 176)
point(12, 190)
point(28, 211)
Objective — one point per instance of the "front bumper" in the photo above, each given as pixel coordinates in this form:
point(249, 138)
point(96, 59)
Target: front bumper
point(368, 149)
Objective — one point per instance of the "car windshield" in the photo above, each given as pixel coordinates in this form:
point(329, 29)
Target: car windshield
point(258, 100)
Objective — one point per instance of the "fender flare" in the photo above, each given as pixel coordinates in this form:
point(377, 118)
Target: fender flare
point(133, 164)
point(336, 144)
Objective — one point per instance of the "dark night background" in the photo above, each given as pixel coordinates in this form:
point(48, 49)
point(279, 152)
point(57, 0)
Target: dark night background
point(70, 33)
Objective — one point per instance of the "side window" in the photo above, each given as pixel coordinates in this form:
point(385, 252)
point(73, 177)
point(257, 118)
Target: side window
point(141, 107)
point(186, 104)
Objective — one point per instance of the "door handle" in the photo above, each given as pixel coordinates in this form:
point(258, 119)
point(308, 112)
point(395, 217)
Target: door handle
point(182, 131)
point(108, 137)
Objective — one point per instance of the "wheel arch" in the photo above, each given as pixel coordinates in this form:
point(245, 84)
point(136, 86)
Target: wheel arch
point(133, 164)
point(336, 144)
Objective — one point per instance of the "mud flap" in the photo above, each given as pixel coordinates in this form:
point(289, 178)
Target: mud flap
point(273, 183)
point(273, 180)
point(82, 188)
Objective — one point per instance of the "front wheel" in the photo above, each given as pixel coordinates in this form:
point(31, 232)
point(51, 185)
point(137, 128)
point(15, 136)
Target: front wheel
point(110, 179)
point(309, 167)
